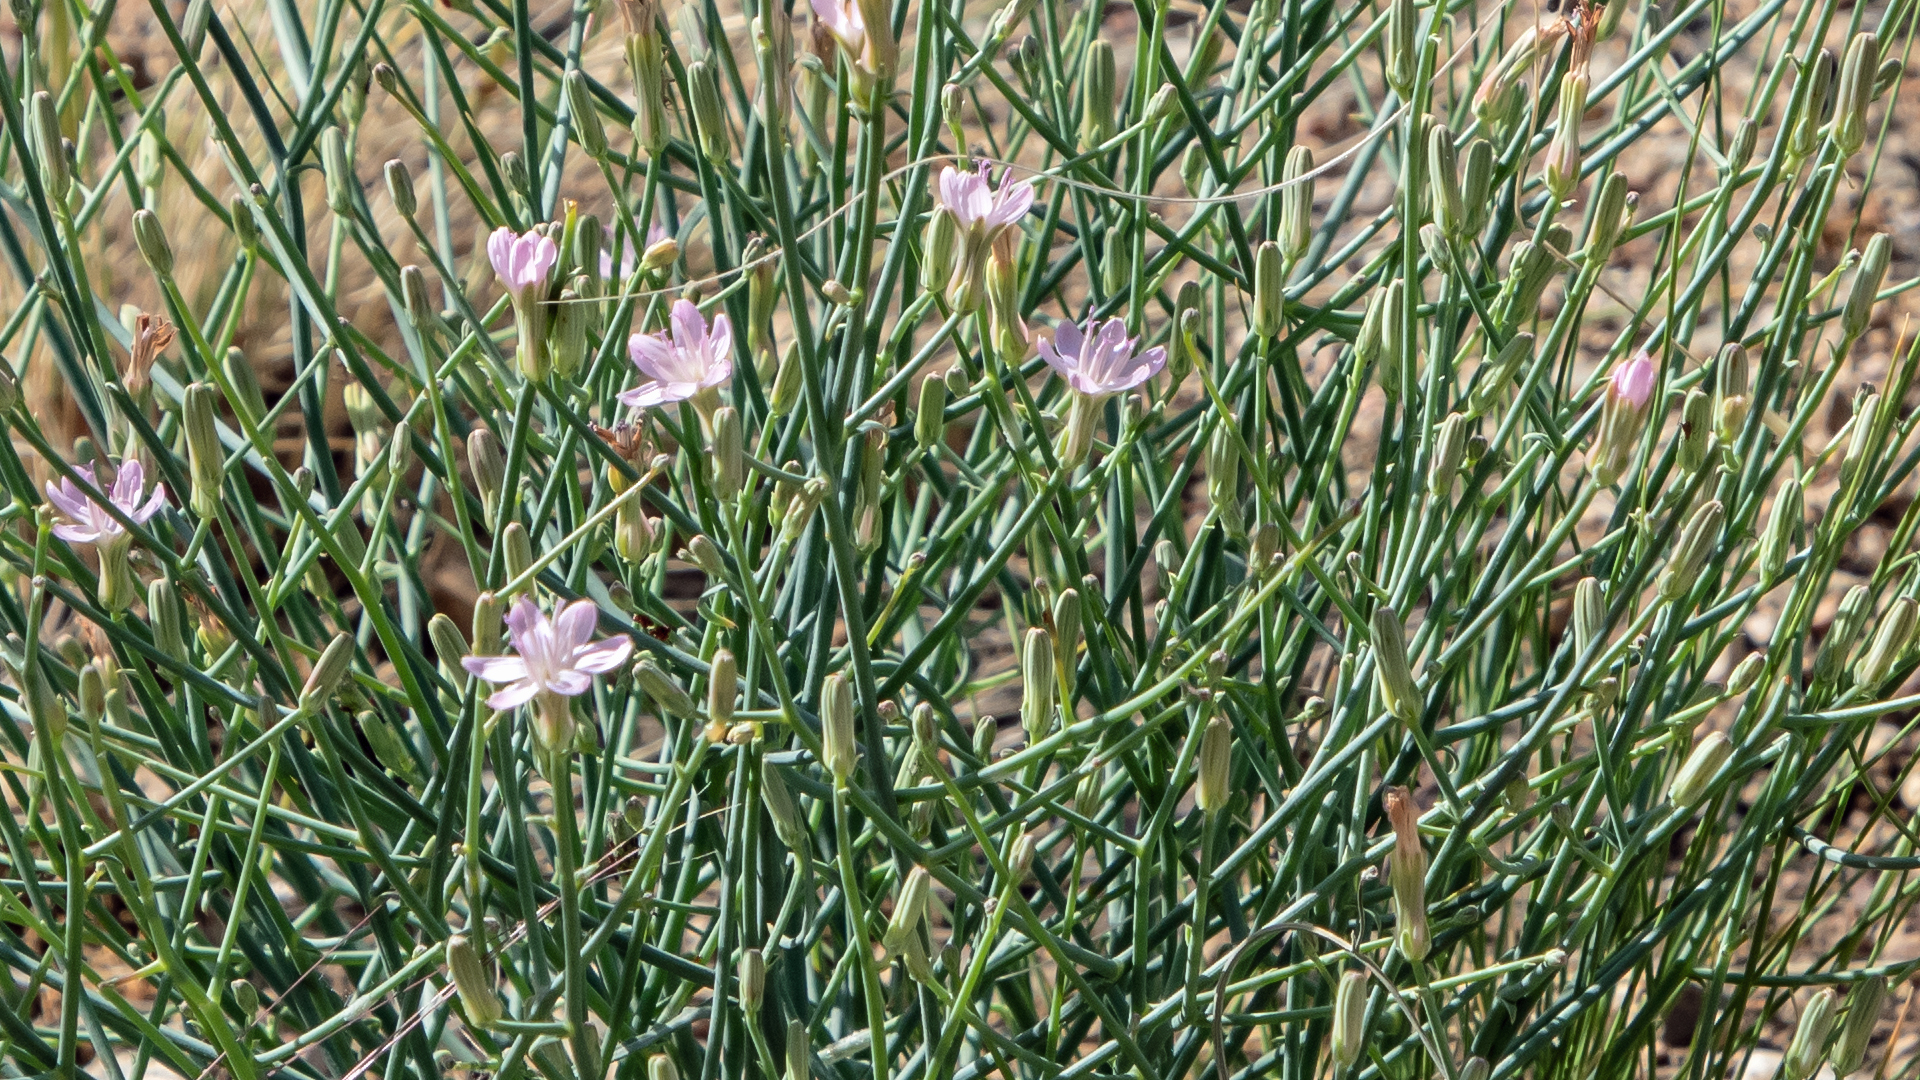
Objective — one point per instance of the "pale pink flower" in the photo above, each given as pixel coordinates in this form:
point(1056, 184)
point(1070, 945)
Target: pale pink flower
point(684, 363)
point(842, 19)
point(972, 198)
point(522, 261)
point(87, 522)
point(1632, 382)
point(1101, 361)
point(554, 656)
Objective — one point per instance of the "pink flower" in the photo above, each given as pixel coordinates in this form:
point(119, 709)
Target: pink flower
point(1632, 382)
point(87, 522)
point(843, 21)
point(521, 261)
point(692, 360)
point(1101, 362)
point(555, 657)
point(972, 198)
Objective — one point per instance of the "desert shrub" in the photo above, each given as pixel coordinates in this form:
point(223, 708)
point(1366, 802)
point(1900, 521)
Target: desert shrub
point(899, 541)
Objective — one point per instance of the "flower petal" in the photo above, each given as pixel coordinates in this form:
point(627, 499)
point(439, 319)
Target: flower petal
point(651, 354)
point(76, 534)
point(495, 669)
point(153, 506)
point(655, 394)
point(500, 253)
point(570, 683)
point(603, 656)
point(573, 626)
point(512, 696)
point(1011, 203)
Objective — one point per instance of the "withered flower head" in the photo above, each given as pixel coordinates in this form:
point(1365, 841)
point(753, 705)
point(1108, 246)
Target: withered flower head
point(151, 336)
point(628, 441)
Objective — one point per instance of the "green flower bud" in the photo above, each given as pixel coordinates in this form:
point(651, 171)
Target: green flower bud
point(788, 824)
point(473, 983)
point(1269, 283)
point(1690, 784)
point(1349, 1019)
point(1402, 46)
point(400, 189)
point(799, 1051)
point(1730, 392)
point(489, 468)
point(1066, 631)
point(1391, 669)
point(1563, 151)
point(1809, 1045)
point(248, 399)
point(245, 997)
point(709, 111)
point(938, 247)
point(1856, 93)
point(1690, 550)
point(930, 420)
point(43, 127)
point(92, 695)
point(1776, 544)
point(1097, 81)
point(1609, 218)
point(1476, 186)
point(1223, 476)
point(1589, 614)
point(1498, 374)
point(840, 748)
point(1865, 999)
point(1394, 340)
point(1213, 787)
point(729, 457)
point(1037, 684)
point(668, 695)
point(449, 646)
point(152, 242)
point(487, 610)
point(1808, 106)
point(389, 747)
point(1020, 857)
point(788, 381)
point(800, 511)
point(205, 457)
point(165, 617)
point(1696, 429)
point(341, 181)
point(661, 1068)
point(1529, 272)
point(1296, 205)
point(567, 332)
point(327, 672)
point(1740, 148)
point(1858, 311)
point(1746, 673)
point(517, 547)
point(1886, 75)
point(1890, 640)
point(1443, 177)
point(586, 118)
point(753, 980)
point(1116, 262)
point(1476, 1067)
point(1193, 168)
point(418, 302)
point(723, 684)
point(1449, 448)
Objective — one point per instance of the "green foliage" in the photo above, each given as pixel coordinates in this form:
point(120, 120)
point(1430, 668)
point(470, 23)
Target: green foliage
point(939, 623)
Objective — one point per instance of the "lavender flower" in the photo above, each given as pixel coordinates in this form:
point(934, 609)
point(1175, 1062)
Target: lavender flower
point(555, 662)
point(87, 522)
point(983, 215)
point(688, 364)
point(865, 35)
point(523, 262)
point(1623, 414)
point(1097, 364)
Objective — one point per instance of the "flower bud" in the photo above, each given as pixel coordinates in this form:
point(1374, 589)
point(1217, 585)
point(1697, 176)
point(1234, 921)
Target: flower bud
point(839, 746)
point(1407, 872)
point(1477, 1067)
point(753, 980)
point(1810, 1037)
point(799, 1051)
point(1858, 311)
point(1443, 177)
point(668, 695)
point(1296, 205)
point(1020, 858)
point(152, 242)
point(939, 246)
point(1269, 283)
point(1214, 786)
point(1808, 106)
point(1690, 784)
point(1349, 1019)
point(800, 510)
point(1398, 690)
point(341, 181)
point(1499, 373)
point(1889, 642)
point(567, 331)
point(1066, 631)
point(1730, 391)
point(661, 1067)
point(1037, 684)
point(1097, 80)
point(327, 672)
point(586, 118)
point(449, 645)
point(206, 458)
point(1746, 673)
point(723, 684)
point(1609, 219)
point(1886, 75)
point(1857, 74)
point(489, 468)
point(788, 824)
point(1449, 447)
point(729, 457)
point(1563, 152)
point(517, 548)
point(1776, 544)
point(1223, 476)
point(1476, 186)
point(1865, 999)
point(43, 126)
point(1402, 46)
point(474, 985)
point(909, 909)
point(1116, 262)
point(1696, 429)
point(1530, 270)
point(709, 110)
point(930, 420)
point(1696, 541)
point(788, 381)
point(1589, 615)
